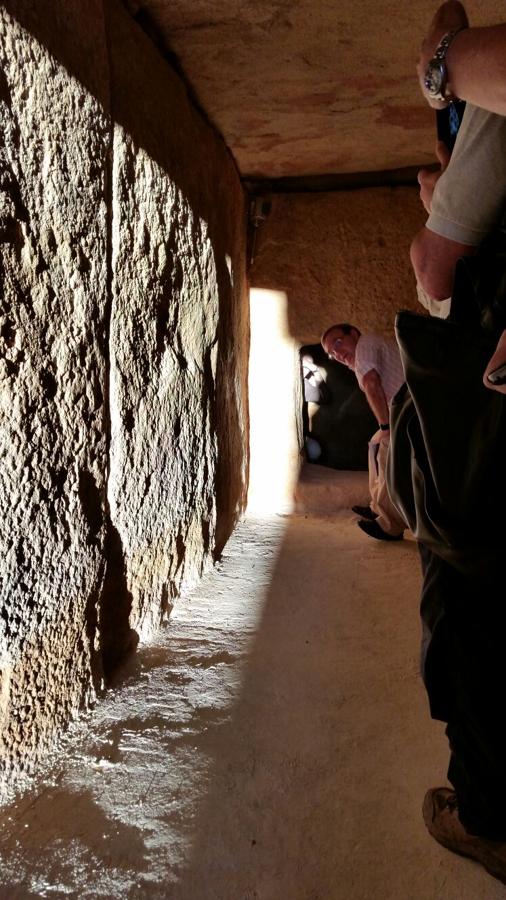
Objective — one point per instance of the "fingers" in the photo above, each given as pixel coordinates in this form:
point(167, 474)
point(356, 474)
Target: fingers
point(427, 181)
point(443, 155)
point(498, 359)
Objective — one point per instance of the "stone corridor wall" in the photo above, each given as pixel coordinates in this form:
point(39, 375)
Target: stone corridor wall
point(123, 349)
point(340, 256)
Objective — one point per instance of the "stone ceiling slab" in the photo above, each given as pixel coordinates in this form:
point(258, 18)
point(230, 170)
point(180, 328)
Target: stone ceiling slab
point(306, 87)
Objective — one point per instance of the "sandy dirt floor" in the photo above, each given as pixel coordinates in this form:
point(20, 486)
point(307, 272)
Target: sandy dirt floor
point(272, 743)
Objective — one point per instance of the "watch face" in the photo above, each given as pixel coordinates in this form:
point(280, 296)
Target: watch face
point(435, 78)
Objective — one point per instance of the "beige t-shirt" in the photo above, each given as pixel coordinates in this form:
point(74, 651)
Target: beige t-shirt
point(469, 197)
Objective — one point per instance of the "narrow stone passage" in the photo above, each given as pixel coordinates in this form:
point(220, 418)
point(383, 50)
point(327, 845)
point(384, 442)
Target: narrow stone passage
point(273, 742)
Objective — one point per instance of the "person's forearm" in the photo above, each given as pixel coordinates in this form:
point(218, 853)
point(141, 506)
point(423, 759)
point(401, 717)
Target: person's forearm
point(476, 62)
point(436, 280)
point(433, 258)
point(378, 403)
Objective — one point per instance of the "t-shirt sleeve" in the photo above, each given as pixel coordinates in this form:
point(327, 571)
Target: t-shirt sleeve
point(469, 197)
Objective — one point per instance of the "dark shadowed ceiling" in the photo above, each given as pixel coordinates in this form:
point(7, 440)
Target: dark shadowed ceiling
point(307, 87)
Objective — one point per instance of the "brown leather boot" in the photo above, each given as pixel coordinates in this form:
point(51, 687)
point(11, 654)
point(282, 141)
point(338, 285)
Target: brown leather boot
point(440, 814)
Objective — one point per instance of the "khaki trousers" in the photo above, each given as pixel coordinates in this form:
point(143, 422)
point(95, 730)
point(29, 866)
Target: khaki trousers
point(389, 518)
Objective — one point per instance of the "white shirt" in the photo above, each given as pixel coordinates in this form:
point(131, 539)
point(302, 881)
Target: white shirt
point(382, 354)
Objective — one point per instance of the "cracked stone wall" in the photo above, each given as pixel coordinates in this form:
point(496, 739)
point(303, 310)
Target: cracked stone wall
point(123, 347)
point(352, 252)
point(178, 328)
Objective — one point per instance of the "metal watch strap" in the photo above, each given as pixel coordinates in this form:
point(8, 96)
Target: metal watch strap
point(444, 43)
point(438, 63)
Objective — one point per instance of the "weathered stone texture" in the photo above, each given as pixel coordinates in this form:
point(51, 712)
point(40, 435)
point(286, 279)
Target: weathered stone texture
point(175, 369)
point(303, 87)
point(54, 141)
point(123, 349)
point(340, 257)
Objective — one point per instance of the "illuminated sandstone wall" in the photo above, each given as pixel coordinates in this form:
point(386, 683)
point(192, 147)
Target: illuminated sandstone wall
point(123, 343)
point(341, 256)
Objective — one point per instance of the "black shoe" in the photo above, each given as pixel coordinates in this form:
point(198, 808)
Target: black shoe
point(365, 512)
point(375, 531)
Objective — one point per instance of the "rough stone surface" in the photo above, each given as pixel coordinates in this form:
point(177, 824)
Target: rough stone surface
point(304, 87)
point(273, 742)
point(54, 141)
point(123, 354)
point(178, 329)
point(352, 257)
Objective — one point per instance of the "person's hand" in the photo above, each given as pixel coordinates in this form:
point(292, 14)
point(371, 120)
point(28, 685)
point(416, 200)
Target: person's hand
point(449, 16)
point(380, 437)
point(498, 359)
point(428, 180)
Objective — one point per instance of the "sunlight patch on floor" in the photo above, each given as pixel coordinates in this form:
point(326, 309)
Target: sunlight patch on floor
point(115, 814)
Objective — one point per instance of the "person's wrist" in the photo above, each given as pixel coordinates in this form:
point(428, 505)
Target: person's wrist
point(450, 17)
point(453, 55)
point(437, 77)
point(384, 426)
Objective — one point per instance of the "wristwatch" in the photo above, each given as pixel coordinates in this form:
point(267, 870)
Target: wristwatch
point(436, 73)
point(385, 426)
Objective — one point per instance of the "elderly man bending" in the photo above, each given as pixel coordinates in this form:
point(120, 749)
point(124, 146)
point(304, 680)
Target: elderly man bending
point(376, 363)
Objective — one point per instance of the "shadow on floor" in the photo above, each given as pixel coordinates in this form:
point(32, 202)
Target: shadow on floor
point(304, 772)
